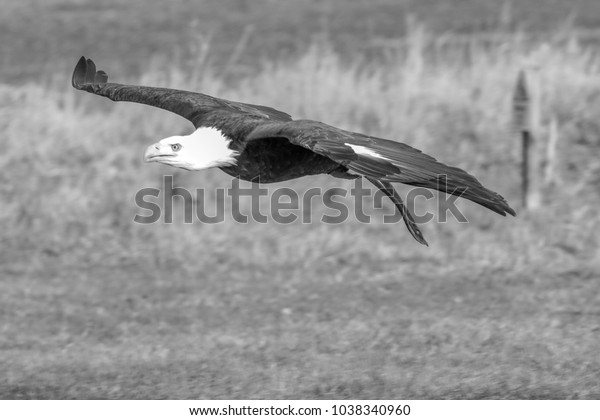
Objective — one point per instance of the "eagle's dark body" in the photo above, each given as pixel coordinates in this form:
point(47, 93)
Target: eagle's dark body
point(271, 147)
point(272, 159)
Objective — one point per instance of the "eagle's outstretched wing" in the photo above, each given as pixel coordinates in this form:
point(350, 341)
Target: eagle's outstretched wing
point(384, 160)
point(190, 105)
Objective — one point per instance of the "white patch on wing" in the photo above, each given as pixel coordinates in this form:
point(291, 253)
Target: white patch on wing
point(365, 151)
point(207, 147)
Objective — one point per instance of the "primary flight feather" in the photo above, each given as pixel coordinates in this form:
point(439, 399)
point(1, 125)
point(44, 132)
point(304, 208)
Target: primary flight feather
point(261, 144)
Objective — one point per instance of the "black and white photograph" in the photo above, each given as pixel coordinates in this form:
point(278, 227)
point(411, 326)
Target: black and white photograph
point(300, 200)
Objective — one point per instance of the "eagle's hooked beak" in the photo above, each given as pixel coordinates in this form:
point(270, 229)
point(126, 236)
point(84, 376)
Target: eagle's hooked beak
point(155, 152)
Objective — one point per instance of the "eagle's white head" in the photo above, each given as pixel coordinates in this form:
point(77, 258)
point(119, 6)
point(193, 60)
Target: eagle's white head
point(206, 147)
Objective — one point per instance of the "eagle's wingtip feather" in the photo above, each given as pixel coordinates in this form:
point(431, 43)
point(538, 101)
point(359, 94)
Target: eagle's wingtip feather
point(85, 73)
point(101, 76)
point(90, 71)
point(79, 73)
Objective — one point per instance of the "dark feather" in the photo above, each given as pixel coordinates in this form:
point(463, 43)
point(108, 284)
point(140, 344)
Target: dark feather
point(398, 162)
point(190, 105)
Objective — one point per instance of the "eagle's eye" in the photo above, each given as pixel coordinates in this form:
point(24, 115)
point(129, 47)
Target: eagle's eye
point(176, 147)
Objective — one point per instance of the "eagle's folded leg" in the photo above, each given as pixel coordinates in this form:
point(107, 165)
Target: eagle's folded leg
point(389, 190)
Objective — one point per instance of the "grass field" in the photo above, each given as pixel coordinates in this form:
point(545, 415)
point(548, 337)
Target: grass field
point(45, 34)
point(93, 305)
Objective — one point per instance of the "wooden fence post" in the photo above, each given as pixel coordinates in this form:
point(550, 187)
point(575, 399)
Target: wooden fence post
point(526, 118)
point(550, 176)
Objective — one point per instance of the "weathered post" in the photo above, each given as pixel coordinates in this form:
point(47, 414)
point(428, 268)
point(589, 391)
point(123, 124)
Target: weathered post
point(550, 177)
point(526, 118)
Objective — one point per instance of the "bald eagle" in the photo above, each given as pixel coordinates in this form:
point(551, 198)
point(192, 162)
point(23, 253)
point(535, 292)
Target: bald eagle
point(261, 144)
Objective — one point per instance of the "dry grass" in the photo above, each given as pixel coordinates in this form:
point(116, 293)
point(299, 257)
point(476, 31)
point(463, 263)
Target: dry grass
point(95, 306)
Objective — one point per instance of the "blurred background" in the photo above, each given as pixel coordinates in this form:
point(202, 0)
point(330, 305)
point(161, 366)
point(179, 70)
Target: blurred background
point(93, 305)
